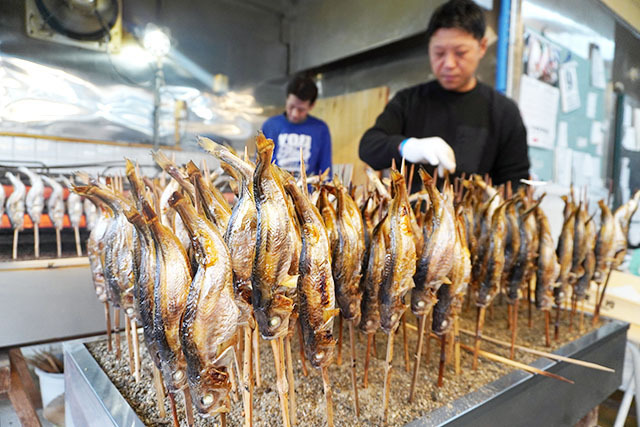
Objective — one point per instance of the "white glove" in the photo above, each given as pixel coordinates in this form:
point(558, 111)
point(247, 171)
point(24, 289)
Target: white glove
point(433, 150)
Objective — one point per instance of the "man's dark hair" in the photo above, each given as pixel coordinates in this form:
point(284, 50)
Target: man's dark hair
point(304, 88)
point(465, 15)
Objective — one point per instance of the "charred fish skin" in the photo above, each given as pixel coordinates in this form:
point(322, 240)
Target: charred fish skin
point(604, 243)
point(240, 234)
point(373, 277)
point(548, 267)
point(436, 254)
point(316, 292)
point(493, 262)
point(211, 316)
point(270, 276)
point(209, 197)
point(170, 298)
point(347, 255)
point(401, 265)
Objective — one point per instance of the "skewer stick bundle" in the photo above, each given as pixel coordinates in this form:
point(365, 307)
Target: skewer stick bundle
point(276, 346)
point(116, 313)
point(247, 380)
point(416, 365)
point(136, 350)
point(36, 240)
point(107, 317)
point(387, 377)
point(188, 408)
point(15, 243)
point(290, 380)
point(157, 384)
point(353, 369)
point(328, 395)
point(479, 325)
point(367, 358)
point(256, 357)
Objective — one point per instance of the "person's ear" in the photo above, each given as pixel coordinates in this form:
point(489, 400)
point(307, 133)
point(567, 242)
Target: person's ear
point(483, 46)
point(312, 105)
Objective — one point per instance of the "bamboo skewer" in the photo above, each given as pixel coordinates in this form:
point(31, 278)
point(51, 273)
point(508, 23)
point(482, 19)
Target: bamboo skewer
point(76, 234)
point(443, 356)
point(256, 357)
point(174, 410)
point(127, 333)
point(456, 333)
point(327, 395)
point(107, 318)
point(387, 377)
point(136, 350)
point(596, 314)
point(305, 372)
point(290, 380)
point(58, 243)
point(405, 343)
point(353, 369)
point(547, 321)
point(514, 327)
point(281, 380)
point(367, 357)
point(479, 325)
point(15, 243)
point(515, 364)
point(188, 407)
point(556, 324)
point(416, 363)
point(545, 353)
point(529, 299)
point(157, 384)
point(581, 326)
point(574, 303)
point(116, 324)
point(247, 388)
point(339, 357)
point(36, 240)
point(223, 419)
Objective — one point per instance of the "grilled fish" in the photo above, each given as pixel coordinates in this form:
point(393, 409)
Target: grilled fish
point(512, 241)
point(74, 204)
point(271, 276)
point(520, 271)
point(548, 267)
point(589, 264)
point(96, 249)
point(373, 277)
point(579, 247)
point(210, 199)
point(436, 254)
point(35, 196)
point(211, 316)
point(55, 202)
point(622, 218)
point(240, 235)
point(347, 253)
point(605, 249)
point(401, 258)
point(316, 292)
point(15, 202)
point(565, 256)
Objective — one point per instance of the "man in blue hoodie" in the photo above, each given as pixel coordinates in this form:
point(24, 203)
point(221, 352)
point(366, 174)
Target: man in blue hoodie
point(296, 128)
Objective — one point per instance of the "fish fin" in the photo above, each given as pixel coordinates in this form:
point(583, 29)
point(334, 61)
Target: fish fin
point(446, 281)
point(330, 313)
point(290, 282)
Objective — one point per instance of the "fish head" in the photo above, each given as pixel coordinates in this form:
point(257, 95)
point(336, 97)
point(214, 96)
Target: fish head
point(273, 320)
point(319, 351)
point(210, 392)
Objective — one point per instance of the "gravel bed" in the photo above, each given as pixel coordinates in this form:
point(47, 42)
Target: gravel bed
point(309, 390)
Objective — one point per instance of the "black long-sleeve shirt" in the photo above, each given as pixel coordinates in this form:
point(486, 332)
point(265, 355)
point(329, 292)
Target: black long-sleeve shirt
point(483, 127)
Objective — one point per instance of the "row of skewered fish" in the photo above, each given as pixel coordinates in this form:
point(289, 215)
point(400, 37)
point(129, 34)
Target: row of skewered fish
point(194, 270)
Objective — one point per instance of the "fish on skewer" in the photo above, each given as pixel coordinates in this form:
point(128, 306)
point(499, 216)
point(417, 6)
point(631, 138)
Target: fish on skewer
point(74, 210)
point(622, 218)
point(35, 205)
point(271, 277)
point(2, 200)
point(605, 249)
point(15, 209)
point(548, 269)
point(398, 272)
point(55, 209)
point(240, 235)
point(211, 316)
point(210, 199)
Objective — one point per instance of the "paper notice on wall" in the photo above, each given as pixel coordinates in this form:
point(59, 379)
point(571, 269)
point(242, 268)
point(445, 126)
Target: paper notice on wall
point(563, 166)
point(563, 134)
point(598, 78)
point(569, 90)
point(592, 105)
point(629, 139)
point(581, 142)
point(539, 109)
point(597, 134)
point(636, 124)
point(627, 115)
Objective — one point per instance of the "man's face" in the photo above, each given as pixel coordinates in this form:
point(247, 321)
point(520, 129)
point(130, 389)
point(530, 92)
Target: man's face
point(297, 109)
point(454, 56)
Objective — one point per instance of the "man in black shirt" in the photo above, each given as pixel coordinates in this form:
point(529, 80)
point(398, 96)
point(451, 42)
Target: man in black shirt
point(453, 123)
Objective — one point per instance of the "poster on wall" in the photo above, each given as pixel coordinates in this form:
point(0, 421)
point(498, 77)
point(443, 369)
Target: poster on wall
point(539, 109)
point(569, 90)
point(541, 59)
point(598, 78)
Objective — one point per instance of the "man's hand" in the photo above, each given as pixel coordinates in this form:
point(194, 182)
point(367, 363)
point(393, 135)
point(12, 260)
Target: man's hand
point(433, 150)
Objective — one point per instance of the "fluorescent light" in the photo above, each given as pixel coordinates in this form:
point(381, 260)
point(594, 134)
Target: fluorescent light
point(156, 41)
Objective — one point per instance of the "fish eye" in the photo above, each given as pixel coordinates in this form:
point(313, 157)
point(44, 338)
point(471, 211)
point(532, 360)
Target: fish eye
point(319, 355)
point(99, 289)
point(369, 322)
point(207, 399)
point(177, 375)
point(274, 321)
point(444, 323)
point(420, 303)
point(130, 310)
